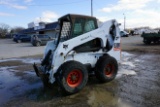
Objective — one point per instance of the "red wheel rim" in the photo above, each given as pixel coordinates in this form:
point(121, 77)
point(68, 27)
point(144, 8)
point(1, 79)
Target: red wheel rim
point(74, 78)
point(109, 70)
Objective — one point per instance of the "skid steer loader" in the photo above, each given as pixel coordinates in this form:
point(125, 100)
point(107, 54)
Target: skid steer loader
point(81, 48)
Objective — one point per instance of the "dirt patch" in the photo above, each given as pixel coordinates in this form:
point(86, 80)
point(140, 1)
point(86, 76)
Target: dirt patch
point(38, 56)
point(27, 67)
point(11, 63)
point(18, 67)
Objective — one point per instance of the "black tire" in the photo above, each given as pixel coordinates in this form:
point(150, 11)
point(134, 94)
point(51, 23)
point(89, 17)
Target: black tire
point(38, 44)
point(106, 68)
point(72, 76)
point(18, 41)
point(147, 41)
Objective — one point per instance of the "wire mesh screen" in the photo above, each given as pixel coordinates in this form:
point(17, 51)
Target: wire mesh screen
point(65, 33)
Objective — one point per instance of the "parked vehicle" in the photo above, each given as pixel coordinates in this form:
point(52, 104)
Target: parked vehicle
point(14, 36)
point(21, 38)
point(124, 34)
point(40, 39)
point(148, 38)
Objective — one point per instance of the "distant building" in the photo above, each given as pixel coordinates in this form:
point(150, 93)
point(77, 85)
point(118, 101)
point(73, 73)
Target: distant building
point(140, 30)
point(144, 30)
point(50, 29)
point(31, 25)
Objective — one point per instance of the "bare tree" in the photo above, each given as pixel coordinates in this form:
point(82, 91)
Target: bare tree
point(16, 29)
point(4, 29)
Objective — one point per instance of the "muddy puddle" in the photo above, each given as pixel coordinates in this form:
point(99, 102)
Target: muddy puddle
point(136, 85)
point(12, 85)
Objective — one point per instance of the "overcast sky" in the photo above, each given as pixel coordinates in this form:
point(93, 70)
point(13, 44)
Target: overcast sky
point(138, 13)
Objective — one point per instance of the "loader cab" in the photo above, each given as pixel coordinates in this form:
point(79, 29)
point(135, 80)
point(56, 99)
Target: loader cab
point(72, 25)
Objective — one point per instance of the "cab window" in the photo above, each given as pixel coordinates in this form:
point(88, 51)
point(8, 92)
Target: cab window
point(78, 27)
point(82, 26)
point(89, 26)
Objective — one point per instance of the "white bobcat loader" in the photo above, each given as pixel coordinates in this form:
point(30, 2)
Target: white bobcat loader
point(82, 48)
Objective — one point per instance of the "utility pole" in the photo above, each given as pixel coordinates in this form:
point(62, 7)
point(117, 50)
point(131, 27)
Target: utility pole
point(124, 20)
point(91, 7)
point(40, 19)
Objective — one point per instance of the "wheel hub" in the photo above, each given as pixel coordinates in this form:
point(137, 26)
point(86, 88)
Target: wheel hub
point(109, 69)
point(74, 78)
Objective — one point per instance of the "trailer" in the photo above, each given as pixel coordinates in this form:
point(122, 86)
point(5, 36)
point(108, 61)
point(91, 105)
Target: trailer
point(149, 38)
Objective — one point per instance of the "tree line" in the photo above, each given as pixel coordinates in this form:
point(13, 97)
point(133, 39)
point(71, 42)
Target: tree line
point(7, 30)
